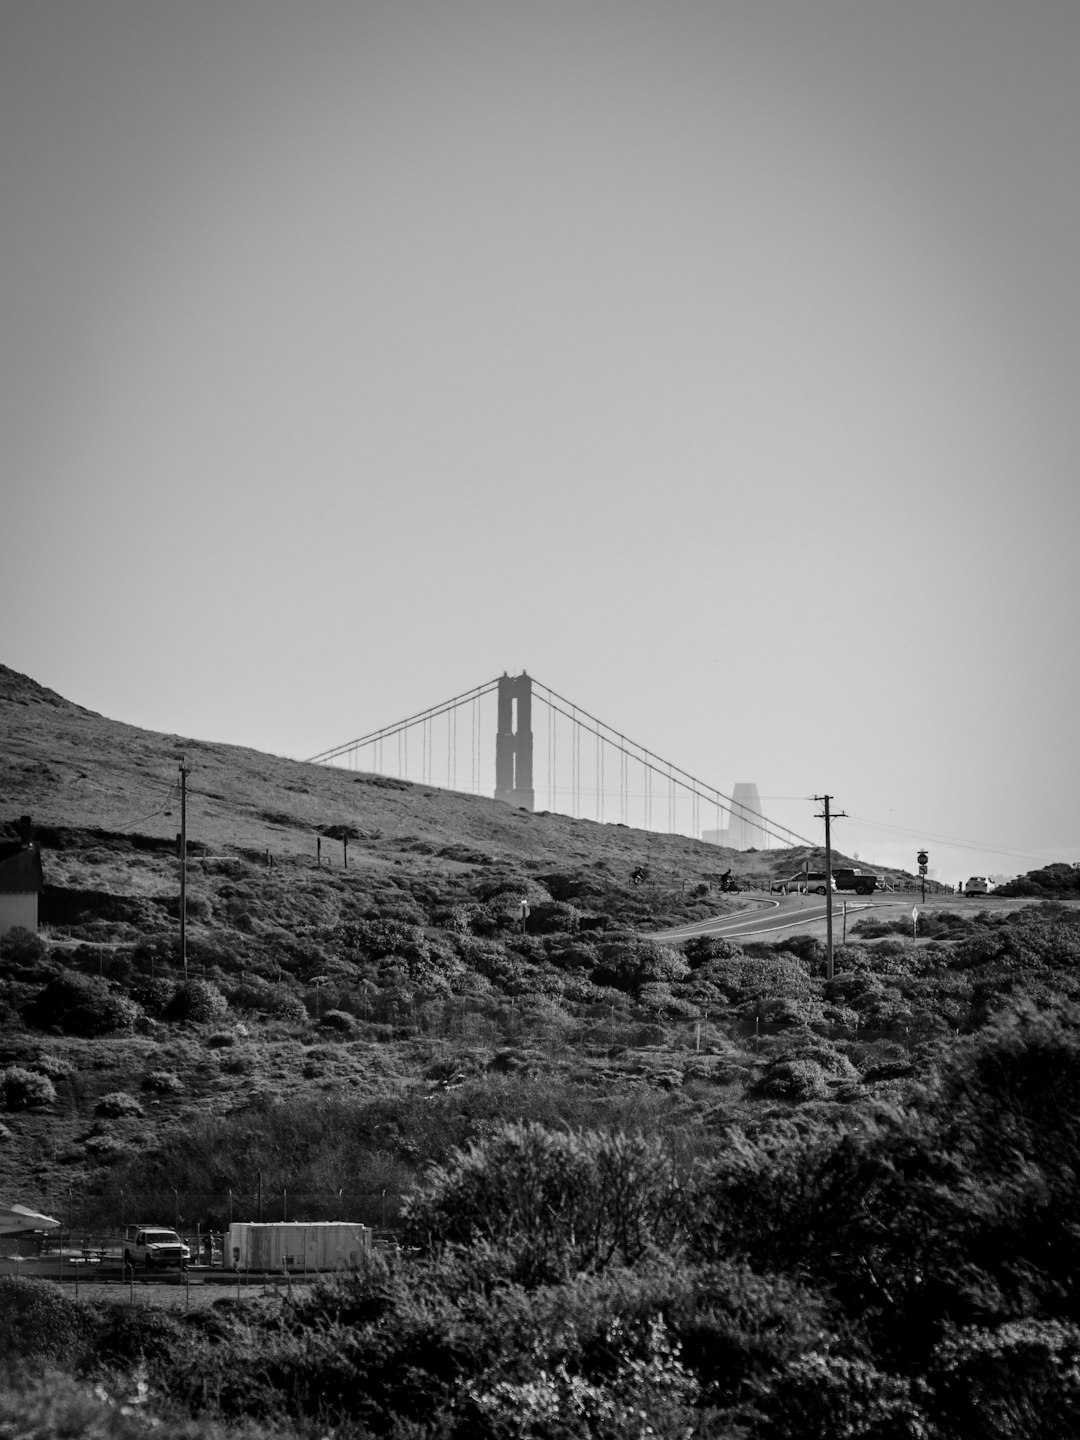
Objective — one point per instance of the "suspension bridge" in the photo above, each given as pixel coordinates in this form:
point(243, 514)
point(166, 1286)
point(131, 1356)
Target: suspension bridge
point(518, 740)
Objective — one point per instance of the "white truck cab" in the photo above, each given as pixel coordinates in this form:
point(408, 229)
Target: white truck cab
point(153, 1245)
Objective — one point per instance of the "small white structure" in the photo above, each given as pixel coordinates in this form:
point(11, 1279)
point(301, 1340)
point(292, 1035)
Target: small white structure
point(296, 1245)
point(21, 881)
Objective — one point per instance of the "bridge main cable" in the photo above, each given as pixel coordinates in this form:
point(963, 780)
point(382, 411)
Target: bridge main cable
point(665, 768)
point(463, 699)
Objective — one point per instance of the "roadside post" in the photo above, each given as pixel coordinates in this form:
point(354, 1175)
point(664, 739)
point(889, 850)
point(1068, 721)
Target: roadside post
point(923, 859)
point(828, 817)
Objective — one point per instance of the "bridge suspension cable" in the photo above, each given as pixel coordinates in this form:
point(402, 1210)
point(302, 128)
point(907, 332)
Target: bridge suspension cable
point(401, 727)
point(604, 741)
point(676, 778)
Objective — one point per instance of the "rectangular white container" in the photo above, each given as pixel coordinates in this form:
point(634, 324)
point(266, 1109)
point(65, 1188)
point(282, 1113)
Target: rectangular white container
point(295, 1245)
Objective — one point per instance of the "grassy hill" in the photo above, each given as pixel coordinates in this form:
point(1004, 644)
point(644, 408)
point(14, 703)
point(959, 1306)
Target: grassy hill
point(402, 978)
point(641, 1189)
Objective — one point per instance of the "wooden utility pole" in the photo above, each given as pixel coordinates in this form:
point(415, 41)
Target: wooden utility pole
point(183, 864)
point(828, 818)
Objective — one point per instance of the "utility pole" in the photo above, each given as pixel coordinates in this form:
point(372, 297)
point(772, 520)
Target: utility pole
point(828, 818)
point(183, 864)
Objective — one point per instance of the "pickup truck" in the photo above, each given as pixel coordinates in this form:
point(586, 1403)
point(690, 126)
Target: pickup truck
point(153, 1245)
point(858, 880)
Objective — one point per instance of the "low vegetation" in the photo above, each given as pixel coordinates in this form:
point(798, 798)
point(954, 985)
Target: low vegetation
point(627, 1188)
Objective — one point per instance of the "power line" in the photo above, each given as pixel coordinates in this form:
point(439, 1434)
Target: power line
point(981, 847)
point(141, 819)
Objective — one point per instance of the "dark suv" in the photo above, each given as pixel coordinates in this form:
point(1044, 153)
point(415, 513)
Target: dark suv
point(857, 880)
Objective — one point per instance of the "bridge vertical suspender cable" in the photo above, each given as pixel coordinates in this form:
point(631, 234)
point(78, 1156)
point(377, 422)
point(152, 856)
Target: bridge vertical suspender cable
point(680, 783)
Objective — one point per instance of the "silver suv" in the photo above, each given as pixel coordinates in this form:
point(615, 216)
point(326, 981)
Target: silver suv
point(813, 883)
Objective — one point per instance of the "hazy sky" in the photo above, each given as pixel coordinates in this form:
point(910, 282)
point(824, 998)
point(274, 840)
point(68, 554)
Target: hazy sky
point(717, 361)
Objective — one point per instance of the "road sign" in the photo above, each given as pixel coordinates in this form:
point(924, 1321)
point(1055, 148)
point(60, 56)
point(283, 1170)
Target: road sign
point(923, 857)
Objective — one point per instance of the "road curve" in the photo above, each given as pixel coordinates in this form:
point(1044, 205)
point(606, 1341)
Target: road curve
point(793, 912)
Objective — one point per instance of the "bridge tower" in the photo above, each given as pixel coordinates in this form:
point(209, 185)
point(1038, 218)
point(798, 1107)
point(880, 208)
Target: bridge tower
point(514, 742)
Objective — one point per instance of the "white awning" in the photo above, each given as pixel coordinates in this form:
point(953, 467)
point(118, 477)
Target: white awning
point(18, 1220)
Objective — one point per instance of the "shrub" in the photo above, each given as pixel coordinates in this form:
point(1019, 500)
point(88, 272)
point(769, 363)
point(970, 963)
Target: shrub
point(341, 1021)
point(82, 1005)
point(54, 1067)
point(118, 1105)
point(285, 1005)
point(105, 1148)
point(657, 998)
point(22, 947)
point(1022, 1378)
point(553, 1203)
point(822, 1397)
point(163, 1082)
point(38, 1321)
point(629, 964)
point(710, 947)
point(196, 1002)
point(795, 1080)
point(25, 1090)
point(552, 917)
point(153, 994)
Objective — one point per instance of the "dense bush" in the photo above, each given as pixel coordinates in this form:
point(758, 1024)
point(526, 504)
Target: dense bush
point(54, 1066)
point(21, 947)
point(797, 1079)
point(341, 1021)
point(24, 1089)
point(82, 1005)
point(629, 964)
point(1056, 881)
point(552, 1203)
point(196, 1002)
point(285, 1005)
point(153, 993)
point(118, 1105)
point(38, 1321)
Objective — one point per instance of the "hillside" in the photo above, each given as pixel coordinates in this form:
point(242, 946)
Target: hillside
point(74, 770)
point(669, 1190)
point(415, 946)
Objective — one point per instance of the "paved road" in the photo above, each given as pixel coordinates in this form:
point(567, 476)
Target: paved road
point(769, 916)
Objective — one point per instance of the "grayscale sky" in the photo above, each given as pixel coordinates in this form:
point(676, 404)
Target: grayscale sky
point(716, 361)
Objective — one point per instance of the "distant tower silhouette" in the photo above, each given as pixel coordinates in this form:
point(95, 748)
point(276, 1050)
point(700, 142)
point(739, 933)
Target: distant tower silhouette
point(747, 829)
point(748, 833)
point(514, 742)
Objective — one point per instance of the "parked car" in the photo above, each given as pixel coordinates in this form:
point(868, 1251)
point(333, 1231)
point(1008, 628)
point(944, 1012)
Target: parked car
point(814, 883)
point(977, 885)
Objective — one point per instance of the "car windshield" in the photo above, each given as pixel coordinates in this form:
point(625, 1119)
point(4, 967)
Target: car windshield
point(161, 1237)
